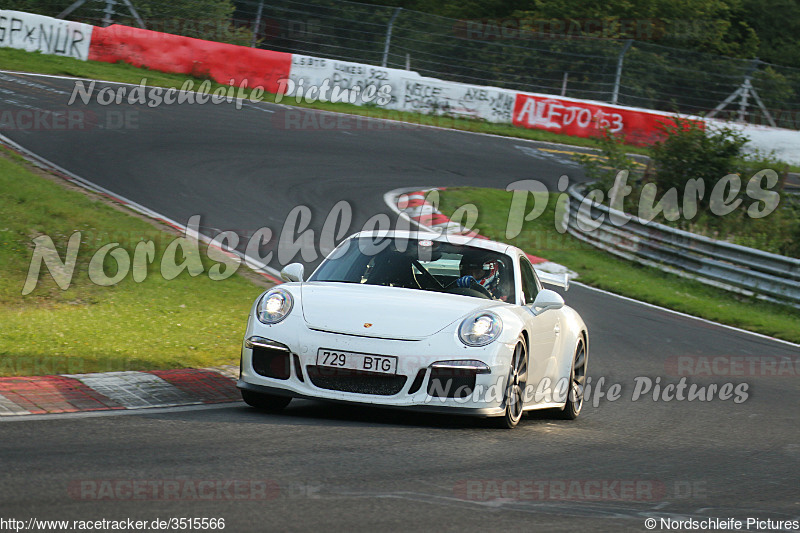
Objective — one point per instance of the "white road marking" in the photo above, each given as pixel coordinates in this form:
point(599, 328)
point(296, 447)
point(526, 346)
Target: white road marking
point(253, 106)
point(120, 412)
point(560, 159)
point(9, 408)
point(135, 390)
point(686, 315)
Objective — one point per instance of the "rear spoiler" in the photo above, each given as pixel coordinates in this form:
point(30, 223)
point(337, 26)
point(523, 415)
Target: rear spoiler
point(559, 280)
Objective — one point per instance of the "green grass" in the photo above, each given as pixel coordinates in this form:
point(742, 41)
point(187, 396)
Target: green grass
point(601, 270)
point(186, 322)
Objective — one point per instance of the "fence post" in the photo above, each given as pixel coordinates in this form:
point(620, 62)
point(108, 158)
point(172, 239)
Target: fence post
point(618, 77)
point(747, 87)
point(108, 13)
point(743, 92)
point(389, 36)
point(135, 14)
point(257, 24)
point(71, 8)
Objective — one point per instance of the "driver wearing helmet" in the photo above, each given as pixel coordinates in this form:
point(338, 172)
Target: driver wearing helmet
point(485, 274)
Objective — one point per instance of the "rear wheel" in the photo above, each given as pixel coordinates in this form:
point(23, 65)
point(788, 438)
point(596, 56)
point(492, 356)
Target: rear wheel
point(515, 388)
point(577, 380)
point(265, 402)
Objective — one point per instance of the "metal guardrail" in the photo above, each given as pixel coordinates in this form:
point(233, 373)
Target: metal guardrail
point(722, 264)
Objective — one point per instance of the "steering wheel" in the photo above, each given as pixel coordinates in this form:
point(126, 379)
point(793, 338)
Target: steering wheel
point(473, 285)
point(428, 276)
point(480, 288)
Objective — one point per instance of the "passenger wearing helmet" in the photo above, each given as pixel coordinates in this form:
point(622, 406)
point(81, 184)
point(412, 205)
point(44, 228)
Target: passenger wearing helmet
point(485, 274)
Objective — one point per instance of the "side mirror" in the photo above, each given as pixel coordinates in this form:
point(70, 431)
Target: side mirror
point(546, 300)
point(293, 272)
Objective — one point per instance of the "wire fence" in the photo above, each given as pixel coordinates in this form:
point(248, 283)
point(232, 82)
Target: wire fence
point(512, 53)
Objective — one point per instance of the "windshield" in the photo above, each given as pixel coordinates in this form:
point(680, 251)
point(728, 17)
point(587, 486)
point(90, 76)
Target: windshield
point(422, 265)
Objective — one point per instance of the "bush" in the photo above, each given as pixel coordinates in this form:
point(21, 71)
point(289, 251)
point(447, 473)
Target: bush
point(614, 158)
point(690, 151)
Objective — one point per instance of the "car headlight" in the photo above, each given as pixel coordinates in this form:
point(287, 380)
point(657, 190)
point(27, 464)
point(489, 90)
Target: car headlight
point(480, 329)
point(274, 306)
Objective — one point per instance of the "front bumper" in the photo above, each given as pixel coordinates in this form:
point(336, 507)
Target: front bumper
point(427, 408)
point(290, 369)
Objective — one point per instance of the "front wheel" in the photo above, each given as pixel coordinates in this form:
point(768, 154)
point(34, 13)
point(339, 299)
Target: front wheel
point(577, 380)
point(265, 402)
point(515, 388)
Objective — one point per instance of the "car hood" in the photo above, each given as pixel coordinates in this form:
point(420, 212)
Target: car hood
point(391, 312)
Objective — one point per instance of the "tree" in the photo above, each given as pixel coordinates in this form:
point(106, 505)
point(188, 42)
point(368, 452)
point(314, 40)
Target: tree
point(777, 23)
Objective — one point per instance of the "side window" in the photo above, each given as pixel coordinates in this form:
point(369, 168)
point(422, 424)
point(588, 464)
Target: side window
point(529, 287)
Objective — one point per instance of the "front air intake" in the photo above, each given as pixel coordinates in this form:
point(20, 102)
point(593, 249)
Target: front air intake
point(451, 383)
point(271, 362)
point(355, 381)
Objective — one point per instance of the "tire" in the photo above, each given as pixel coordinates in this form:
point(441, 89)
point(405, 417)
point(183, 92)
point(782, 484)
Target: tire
point(265, 402)
point(577, 380)
point(515, 388)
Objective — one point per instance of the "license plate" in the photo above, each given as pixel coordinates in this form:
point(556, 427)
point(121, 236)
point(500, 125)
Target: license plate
point(384, 364)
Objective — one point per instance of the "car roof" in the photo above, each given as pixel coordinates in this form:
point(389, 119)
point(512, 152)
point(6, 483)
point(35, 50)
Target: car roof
point(460, 240)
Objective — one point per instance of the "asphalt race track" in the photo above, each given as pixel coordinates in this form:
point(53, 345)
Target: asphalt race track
point(245, 169)
point(341, 468)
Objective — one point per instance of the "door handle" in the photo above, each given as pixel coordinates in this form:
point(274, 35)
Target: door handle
point(557, 329)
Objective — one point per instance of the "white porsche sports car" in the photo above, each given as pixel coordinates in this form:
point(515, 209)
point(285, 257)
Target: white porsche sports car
point(416, 320)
